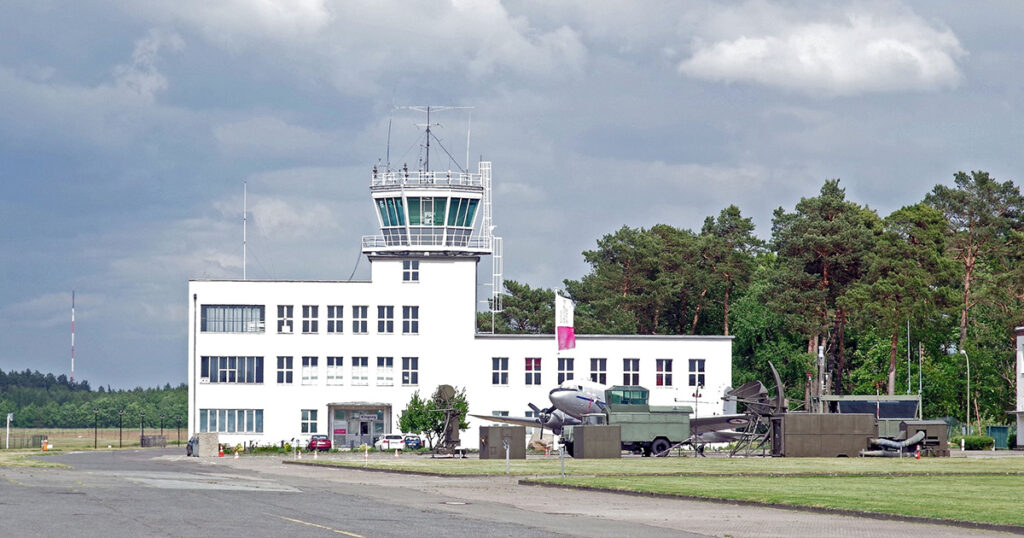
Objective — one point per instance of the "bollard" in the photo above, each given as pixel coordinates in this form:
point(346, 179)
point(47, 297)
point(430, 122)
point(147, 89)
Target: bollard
point(236, 454)
point(917, 453)
point(396, 452)
point(298, 454)
point(366, 455)
point(961, 444)
point(316, 454)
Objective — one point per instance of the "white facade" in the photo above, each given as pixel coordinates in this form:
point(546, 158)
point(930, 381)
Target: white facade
point(427, 295)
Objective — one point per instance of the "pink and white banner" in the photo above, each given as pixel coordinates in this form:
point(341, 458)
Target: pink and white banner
point(564, 329)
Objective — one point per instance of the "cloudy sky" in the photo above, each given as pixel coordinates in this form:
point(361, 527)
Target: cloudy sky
point(127, 130)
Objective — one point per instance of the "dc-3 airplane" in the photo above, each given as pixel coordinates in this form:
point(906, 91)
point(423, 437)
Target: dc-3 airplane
point(576, 397)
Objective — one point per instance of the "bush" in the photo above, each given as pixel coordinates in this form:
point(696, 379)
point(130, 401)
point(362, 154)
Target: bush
point(975, 442)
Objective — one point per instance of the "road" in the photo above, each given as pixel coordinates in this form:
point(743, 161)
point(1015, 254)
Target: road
point(162, 493)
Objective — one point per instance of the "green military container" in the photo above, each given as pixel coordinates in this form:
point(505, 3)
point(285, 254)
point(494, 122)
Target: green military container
point(644, 429)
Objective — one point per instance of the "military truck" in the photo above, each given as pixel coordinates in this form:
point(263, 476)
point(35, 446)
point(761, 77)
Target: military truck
point(645, 429)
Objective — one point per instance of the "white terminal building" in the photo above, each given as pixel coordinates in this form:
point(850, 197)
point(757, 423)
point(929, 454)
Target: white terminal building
point(272, 361)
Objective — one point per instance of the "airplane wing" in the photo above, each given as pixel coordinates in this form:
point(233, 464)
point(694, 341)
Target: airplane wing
point(529, 422)
point(554, 424)
point(703, 425)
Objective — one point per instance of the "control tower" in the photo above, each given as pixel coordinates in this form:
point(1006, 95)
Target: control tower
point(428, 213)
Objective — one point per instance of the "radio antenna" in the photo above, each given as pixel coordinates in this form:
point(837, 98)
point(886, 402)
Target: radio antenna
point(72, 336)
point(245, 193)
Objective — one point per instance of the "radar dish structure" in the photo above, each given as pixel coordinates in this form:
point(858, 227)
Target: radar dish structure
point(444, 398)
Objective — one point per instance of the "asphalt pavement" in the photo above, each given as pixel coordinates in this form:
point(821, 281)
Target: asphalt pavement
point(156, 492)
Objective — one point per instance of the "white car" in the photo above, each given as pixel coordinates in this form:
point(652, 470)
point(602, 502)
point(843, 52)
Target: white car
point(390, 441)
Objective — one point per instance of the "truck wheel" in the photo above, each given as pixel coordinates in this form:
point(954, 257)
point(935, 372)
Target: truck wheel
point(569, 450)
point(660, 446)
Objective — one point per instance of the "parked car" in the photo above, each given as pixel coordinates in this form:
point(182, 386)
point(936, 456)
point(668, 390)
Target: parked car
point(319, 442)
point(412, 442)
point(192, 448)
point(390, 441)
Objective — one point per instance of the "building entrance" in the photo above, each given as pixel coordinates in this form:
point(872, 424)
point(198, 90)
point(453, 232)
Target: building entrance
point(353, 425)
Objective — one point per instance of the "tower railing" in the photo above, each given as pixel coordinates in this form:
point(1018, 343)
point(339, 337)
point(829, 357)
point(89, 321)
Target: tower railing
point(433, 177)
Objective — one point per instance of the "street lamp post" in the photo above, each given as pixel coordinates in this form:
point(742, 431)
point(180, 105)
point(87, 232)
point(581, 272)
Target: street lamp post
point(161, 424)
point(142, 426)
point(120, 428)
point(968, 359)
point(95, 427)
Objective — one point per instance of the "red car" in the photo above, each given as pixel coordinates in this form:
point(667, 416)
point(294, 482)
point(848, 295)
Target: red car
point(319, 442)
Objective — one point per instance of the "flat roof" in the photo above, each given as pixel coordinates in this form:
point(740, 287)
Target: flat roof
point(608, 336)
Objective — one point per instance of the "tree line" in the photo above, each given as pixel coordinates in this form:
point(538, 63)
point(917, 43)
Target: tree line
point(47, 401)
point(835, 274)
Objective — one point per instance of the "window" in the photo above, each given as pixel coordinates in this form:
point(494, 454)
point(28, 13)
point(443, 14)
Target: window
point(335, 370)
point(664, 373)
point(385, 371)
point(309, 370)
point(385, 319)
point(599, 371)
point(696, 372)
point(565, 368)
point(410, 270)
point(284, 370)
point(309, 421)
point(533, 371)
point(410, 320)
point(499, 371)
point(359, 367)
point(335, 318)
point(232, 369)
point(410, 370)
point(226, 318)
point(630, 371)
point(231, 420)
point(284, 318)
point(499, 413)
point(310, 322)
point(359, 319)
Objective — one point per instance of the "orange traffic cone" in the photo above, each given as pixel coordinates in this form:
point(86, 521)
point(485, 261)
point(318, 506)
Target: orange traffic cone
point(917, 453)
point(236, 454)
point(396, 452)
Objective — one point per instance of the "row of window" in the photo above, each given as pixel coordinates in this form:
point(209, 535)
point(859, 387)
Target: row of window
point(428, 211)
point(250, 318)
point(231, 420)
point(250, 370)
point(598, 371)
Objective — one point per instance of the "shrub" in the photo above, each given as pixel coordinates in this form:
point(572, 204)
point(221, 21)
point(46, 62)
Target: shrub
point(975, 442)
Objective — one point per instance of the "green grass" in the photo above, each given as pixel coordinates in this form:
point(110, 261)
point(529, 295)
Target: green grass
point(688, 466)
point(983, 499)
point(20, 458)
point(983, 490)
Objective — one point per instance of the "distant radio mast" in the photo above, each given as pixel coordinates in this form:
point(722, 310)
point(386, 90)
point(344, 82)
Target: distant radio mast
point(245, 192)
point(72, 336)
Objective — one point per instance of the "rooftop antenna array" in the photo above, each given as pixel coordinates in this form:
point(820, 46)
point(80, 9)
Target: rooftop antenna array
point(427, 109)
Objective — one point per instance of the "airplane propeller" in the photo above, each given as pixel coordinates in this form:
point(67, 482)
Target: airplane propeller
point(543, 416)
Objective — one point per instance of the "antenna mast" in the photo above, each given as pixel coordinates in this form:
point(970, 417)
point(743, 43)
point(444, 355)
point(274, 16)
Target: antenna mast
point(428, 109)
point(245, 193)
point(72, 336)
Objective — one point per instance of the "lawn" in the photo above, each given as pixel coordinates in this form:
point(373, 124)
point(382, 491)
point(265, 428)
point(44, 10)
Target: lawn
point(685, 466)
point(21, 458)
point(976, 498)
point(977, 489)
